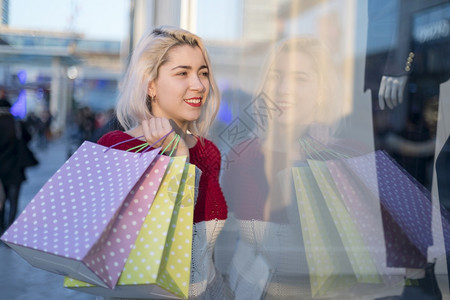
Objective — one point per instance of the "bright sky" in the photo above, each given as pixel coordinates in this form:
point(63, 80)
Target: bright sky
point(97, 19)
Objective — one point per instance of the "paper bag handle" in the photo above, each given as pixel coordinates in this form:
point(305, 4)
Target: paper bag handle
point(145, 145)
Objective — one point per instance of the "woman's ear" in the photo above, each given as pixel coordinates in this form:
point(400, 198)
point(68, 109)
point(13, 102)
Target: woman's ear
point(151, 91)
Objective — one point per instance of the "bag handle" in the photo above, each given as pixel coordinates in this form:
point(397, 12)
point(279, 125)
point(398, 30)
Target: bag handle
point(147, 147)
point(326, 154)
point(177, 138)
point(142, 146)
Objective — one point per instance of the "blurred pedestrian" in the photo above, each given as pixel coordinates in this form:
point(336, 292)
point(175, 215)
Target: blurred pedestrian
point(15, 156)
point(41, 124)
point(4, 102)
point(110, 123)
point(8, 156)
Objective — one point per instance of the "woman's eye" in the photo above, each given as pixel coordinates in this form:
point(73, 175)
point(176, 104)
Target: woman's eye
point(205, 74)
point(302, 78)
point(182, 73)
point(273, 76)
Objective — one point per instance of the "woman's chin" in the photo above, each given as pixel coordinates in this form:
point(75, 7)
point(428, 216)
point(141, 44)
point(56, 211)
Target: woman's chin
point(192, 117)
point(285, 121)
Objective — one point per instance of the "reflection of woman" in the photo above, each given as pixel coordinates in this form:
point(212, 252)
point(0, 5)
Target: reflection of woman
point(298, 84)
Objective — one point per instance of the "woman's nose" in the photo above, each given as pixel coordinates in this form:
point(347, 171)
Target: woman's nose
point(284, 85)
point(197, 84)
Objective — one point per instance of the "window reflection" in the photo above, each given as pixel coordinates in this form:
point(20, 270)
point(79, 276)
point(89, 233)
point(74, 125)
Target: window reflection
point(317, 113)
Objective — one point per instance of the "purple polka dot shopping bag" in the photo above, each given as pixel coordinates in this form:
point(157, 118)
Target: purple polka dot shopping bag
point(159, 265)
point(84, 221)
point(406, 210)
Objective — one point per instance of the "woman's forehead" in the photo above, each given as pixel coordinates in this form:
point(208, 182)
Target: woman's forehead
point(293, 61)
point(185, 54)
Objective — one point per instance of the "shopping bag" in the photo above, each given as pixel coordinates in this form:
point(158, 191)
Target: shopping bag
point(75, 224)
point(356, 249)
point(337, 253)
point(329, 267)
point(365, 210)
point(159, 264)
point(406, 208)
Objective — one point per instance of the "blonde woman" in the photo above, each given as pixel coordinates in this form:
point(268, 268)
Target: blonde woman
point(170, 78)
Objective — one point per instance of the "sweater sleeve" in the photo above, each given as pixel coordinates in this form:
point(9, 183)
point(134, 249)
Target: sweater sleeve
point(210, 201)
point(119, 139)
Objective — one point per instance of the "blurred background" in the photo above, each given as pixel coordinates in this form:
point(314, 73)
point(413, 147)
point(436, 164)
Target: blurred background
point(61, 62)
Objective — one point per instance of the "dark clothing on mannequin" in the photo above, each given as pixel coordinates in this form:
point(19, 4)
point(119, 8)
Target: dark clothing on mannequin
point(400, 43)
point(443, 180)
point(407, 50)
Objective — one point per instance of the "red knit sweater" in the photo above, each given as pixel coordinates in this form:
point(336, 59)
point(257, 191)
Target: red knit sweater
point(210, 201)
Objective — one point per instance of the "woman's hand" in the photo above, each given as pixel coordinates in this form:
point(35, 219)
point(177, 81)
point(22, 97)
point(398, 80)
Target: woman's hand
point(155, 128)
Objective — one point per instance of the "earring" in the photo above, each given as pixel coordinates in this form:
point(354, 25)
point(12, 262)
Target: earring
point(152, 98)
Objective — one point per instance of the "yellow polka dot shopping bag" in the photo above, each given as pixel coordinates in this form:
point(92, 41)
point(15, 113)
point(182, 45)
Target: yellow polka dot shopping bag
point(85, 219)
point(159, 264)
point(336, 251)
point(326, 259)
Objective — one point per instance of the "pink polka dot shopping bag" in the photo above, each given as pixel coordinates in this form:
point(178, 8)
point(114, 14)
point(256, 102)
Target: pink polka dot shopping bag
point(84, 221)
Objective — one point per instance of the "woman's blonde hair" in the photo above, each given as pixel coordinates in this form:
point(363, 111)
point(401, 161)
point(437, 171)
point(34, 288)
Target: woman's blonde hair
point(151, 52)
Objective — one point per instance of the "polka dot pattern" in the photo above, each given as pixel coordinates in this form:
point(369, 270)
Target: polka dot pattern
point(364, 209)
point(326, 265)
point(360, 259)
point(176, 264)
point(162, 251)
point(79, 214)
point(406, 204)
point(110, 255)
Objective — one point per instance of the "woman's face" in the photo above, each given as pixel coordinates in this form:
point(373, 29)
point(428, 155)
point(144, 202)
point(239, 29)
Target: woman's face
point(182, 85)
point(292, 84)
